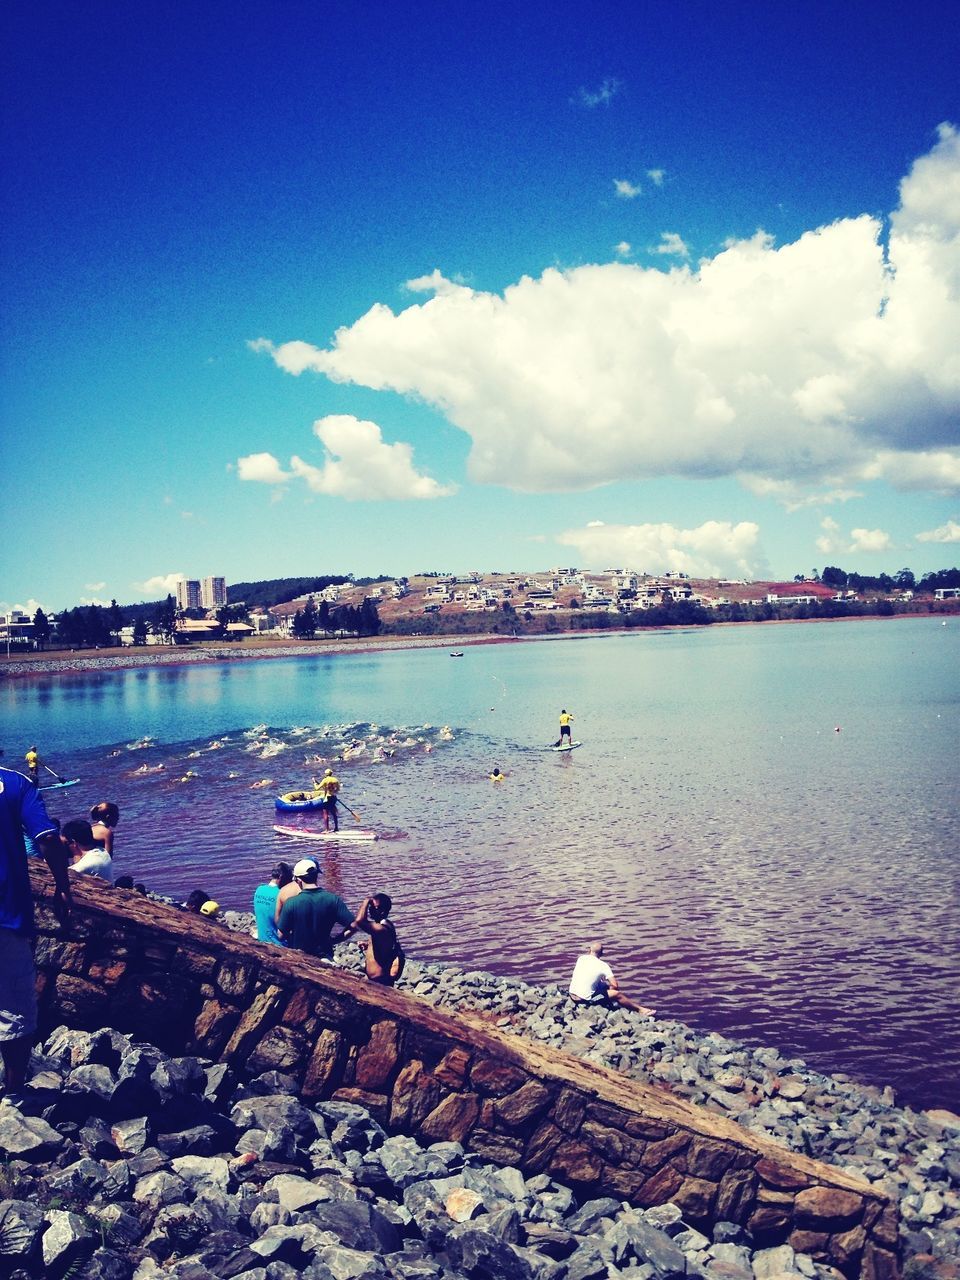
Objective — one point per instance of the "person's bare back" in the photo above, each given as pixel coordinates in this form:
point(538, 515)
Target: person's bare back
point(383, 955)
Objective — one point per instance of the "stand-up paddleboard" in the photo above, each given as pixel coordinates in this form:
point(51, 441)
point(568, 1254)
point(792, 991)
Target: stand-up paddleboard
point(59, 786)
point(570, 746)
point(351, 833)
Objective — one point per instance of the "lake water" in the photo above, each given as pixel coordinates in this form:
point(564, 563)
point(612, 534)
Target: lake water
point(751, 869)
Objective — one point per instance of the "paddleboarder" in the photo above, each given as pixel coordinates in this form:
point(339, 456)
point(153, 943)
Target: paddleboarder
point(565, 719)
point(33, 765)
point(328, 786)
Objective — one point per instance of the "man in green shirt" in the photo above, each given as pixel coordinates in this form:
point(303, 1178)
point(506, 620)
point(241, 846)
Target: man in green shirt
point(307, 918)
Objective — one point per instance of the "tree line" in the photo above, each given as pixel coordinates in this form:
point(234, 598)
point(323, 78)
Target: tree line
point(902, 580)
point(313, 618)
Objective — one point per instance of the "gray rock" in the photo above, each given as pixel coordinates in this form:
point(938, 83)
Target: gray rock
point(105, 1264)
point(82, 1178)
point(773, 1262)
point(118, 1226)
point(295, 1193)
point(294, 1244)
point(202, 1172)
point(131, 1136)
point(480, 1255)
point(155, 1190)
point(587, 1263)
point(66, 1237)
point(20, 1230)
point(651, 1245)
point(276, 1111)
point(27, 1136)
point(351, 1127)
point(554, 1242)
point(201, 1140)
point(588, 1218)
point(357, 1225)
point(177, 1228)
point(349, 1264)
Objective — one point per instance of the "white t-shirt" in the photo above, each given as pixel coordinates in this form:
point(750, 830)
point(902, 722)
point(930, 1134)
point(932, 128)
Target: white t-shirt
point(586, 974)
point(96, 862)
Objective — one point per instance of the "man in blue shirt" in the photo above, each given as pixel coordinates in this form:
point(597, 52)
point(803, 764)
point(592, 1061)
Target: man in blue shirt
point(22, 810)
point(265, 903)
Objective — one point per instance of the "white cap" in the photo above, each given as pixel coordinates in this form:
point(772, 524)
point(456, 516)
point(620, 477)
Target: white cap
point(304, 867)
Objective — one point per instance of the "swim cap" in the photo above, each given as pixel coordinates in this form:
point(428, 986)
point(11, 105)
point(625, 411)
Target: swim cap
point(210, 908)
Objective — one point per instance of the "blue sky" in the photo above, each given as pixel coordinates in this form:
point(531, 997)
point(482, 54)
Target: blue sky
point(304, 288)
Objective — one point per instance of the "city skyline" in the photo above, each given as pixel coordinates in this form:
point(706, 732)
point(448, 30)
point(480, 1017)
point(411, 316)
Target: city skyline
point(305, 292)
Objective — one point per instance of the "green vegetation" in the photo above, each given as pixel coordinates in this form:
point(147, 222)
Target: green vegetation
point(281, 590)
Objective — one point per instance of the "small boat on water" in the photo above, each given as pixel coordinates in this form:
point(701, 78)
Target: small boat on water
point(456, 653)
point(297, 801)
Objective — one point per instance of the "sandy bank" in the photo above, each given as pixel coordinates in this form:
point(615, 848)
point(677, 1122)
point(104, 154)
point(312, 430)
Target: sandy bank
point(85, 662)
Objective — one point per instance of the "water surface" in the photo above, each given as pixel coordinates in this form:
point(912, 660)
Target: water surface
point(761, 824)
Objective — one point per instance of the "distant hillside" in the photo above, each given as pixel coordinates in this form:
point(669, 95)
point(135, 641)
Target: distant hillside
point(279, 590)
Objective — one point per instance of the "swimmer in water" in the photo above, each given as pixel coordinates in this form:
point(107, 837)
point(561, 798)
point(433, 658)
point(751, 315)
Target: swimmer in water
point(497, 776)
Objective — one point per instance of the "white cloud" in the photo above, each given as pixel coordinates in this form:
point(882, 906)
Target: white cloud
point(671, 243)
point(626, 190)
point(30, 608)
point(795, 497)
point(931, 470)
point(358, 465)
point(829, 542)
point(434, 283)
point(94, 586)
point(656, 176)
point(716, 548)
point(870, 540)
point(824, 362)
point(949, 532)
point(104, 604)
point(263, 468)
point(163, 584)
point(623, 249)
point(597, 97)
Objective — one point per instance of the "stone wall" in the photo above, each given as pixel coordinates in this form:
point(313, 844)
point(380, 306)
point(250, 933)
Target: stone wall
point(190, 986)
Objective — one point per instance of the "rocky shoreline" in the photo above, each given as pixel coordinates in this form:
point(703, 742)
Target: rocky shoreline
point(125, 1164)
point(89, 662)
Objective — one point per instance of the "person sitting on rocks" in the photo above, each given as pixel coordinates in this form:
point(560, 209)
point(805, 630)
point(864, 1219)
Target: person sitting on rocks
point(103, 818)
point(89, 858)
point(383, 955)
point(307, 919)
point(593, 982)
point(195, 900)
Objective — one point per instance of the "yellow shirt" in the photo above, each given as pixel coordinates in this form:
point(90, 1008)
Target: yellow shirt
point(32, 759)
point(328, 786)
point(565, 718)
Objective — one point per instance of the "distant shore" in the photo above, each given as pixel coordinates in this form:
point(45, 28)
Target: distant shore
point(86, 661)
point(89, 661)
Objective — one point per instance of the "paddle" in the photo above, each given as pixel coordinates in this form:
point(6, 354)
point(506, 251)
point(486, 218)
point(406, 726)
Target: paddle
point(352, 812)
point(53, 772)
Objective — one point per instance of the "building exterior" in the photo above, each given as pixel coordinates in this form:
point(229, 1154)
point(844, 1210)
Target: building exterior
point(188, 593)
point(213, 593)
